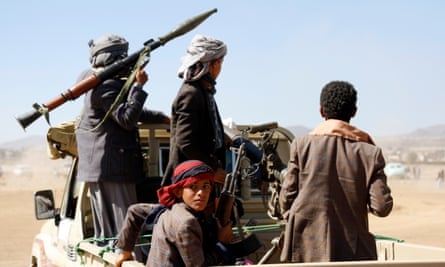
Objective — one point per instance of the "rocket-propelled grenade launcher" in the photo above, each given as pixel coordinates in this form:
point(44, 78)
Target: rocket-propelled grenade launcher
point(92, 81)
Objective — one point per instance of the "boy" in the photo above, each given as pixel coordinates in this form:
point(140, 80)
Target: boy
point(183, 234)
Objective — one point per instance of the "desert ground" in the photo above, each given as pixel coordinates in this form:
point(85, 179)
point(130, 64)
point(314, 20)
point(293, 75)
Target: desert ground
point(418, 215)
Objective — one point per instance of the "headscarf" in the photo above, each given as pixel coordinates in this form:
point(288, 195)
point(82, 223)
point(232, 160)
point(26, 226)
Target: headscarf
point(107, 49)
point(200, 53)
point(185, 174)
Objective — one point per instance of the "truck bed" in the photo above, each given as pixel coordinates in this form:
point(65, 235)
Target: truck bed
point(390, 253)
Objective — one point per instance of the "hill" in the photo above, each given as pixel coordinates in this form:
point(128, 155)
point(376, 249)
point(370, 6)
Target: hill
point(298, 130)
point(432, 131)
point(30, 141)
point(435, 131)
point(428, 136)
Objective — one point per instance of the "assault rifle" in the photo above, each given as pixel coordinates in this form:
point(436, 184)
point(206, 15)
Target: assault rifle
point(227, 197)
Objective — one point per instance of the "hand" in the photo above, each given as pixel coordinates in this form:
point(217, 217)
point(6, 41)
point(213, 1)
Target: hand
point(141, 75)
point(225, 233)
point(220, 175)
point(286, 215)
point(124, 256)
point(166, 120)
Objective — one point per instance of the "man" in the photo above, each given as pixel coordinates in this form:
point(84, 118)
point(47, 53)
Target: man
point(334, 176)
point(110, 158)
point(197, 132)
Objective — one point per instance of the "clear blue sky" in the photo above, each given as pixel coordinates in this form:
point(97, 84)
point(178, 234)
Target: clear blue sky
point(281, 53)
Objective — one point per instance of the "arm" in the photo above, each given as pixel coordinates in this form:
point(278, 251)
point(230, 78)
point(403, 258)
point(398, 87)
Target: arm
point(289, 188)
point(127, 112)
point(134, 220)
point(188, 109)
point(153, 116)
point(189, 238)
point(222, 253)
point(380, 199)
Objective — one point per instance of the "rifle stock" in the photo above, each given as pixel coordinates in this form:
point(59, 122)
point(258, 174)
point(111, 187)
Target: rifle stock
point(93, 80)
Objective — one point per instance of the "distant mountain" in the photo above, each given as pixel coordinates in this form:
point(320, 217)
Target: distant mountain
point(428, 138)
point(432, 131)
point(298, 130)
point(435, 132)
point(31, 141)
point(432, 137)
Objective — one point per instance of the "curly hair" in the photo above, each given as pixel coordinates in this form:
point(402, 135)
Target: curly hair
point(338, 100)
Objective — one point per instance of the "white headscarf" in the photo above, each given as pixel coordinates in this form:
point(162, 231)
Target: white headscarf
point(203, 49)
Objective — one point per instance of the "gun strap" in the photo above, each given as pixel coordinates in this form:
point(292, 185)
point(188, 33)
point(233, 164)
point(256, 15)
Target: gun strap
point(127, 85)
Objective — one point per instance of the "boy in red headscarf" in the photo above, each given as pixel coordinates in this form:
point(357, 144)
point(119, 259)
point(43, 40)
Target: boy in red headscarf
point(183, 235)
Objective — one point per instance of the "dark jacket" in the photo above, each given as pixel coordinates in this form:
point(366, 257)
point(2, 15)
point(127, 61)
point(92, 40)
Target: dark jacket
point(192, 133)
point(112, 152)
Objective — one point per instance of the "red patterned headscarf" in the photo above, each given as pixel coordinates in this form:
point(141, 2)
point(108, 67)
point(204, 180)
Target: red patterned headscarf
point(185, 174)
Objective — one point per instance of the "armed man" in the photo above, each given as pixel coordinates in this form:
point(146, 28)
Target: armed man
point(110, 158)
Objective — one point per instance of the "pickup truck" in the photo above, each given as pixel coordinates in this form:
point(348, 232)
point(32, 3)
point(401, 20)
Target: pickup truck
point(66, 238)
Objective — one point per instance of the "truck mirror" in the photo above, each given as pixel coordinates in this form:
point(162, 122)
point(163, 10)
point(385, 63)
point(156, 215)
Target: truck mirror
point(44, 205)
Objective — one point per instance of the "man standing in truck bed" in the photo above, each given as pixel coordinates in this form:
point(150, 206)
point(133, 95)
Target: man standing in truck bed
point(334, 176)
point(110, 158)
point(197, 131)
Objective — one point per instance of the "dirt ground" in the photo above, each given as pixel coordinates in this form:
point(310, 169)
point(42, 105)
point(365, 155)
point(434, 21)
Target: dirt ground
point(418, 215)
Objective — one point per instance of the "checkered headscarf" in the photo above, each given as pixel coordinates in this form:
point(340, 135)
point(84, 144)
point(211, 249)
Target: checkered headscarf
point(200, 53)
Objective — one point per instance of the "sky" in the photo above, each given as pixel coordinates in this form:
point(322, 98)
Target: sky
point(280, 55)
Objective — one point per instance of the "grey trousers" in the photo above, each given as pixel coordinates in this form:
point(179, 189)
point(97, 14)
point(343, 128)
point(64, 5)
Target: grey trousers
point(109, 202)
